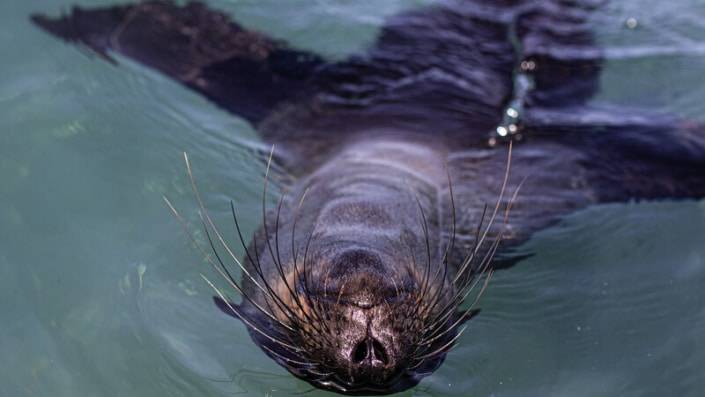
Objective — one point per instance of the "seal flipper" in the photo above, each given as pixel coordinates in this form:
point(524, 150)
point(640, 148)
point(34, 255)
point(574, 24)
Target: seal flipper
point(559, 52)
point(450, 62)
point(226, 307)
point(196, 46)
point(455, 61)
point(647, 163)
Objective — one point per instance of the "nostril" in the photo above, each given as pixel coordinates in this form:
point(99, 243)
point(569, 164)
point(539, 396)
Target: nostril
point(370, 348)
point(379, 352)
point(360, 352)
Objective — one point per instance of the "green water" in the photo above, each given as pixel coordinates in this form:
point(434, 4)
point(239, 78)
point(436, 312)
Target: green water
point(100, 291)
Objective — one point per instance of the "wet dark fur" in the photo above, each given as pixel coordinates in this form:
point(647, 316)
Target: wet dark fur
point(400, 196)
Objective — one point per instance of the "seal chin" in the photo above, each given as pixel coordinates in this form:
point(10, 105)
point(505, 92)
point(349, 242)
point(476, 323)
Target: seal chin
point(368, 340)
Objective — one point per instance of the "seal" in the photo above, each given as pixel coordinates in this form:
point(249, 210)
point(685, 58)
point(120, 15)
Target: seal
point(402, 203)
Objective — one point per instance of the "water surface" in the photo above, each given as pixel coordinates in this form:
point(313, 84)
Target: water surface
point(100, 290)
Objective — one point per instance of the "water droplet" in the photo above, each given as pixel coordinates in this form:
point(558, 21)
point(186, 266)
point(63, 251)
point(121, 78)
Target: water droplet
point(631, 23)
point(502, 131)
point(528, 66)
point(511, 112)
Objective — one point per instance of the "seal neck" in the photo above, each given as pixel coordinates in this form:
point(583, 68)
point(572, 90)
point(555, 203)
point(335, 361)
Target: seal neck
point(377, 200)
point(379, 189)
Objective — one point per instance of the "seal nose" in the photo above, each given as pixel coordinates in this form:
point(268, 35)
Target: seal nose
point(370, 353)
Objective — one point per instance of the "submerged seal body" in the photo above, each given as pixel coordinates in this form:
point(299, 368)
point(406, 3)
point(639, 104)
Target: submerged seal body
point(401, 193)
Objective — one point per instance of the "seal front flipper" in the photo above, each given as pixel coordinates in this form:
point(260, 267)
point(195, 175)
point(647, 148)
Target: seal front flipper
point(446, 67)
point(624, 154)
point(559, 52)
point(242, 71)
point(645, 163)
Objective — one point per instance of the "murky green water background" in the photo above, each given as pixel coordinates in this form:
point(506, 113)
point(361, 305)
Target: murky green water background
point(100, 293)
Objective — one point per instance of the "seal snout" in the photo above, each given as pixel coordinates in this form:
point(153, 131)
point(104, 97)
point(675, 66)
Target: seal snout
point(366, 344)
point(369, 359)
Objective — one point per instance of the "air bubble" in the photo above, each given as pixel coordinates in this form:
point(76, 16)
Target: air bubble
point(631, 23)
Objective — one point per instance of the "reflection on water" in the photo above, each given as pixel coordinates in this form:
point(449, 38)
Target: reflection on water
point(100, 292)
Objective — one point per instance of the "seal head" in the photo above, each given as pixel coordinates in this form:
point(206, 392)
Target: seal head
point(357, 324)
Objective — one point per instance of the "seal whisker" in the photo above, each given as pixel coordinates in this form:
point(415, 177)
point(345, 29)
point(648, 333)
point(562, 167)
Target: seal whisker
point(290, 314)
point(287, 359)
point(471, 280)
point(315, 309)
point(488, 277)
point(464, 291)
point(236, 285)
point(325, 283)
point(306, 247)
point(461, 318)
point(468, 257)
point(294, 249)
point(470, 283)
point(458, 297)
point(225, 272)
point(434, 330)
point(494, 213)
point(227, 276)
point(512, 200)
point(396, 286)
point(294, 246)
point(443, 348)
point(323, 375)
point(265, 224)
point(186, 230)
point(340, 293)
point(414, 310)
point(427, 272)
point(276, 238)
point(451, 244)
point(256, 264)
point(254, 261)
point(205, 213)
point(270, 297)
point(294, 295)
point(486, 260)
point(449, 247)
point(246, 320)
